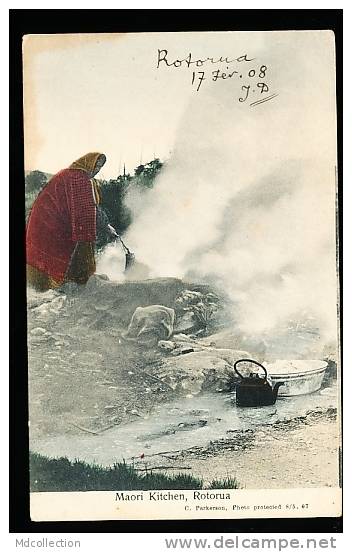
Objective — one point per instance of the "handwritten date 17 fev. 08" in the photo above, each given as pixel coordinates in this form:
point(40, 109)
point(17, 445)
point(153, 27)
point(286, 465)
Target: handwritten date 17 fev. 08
point(198, 77)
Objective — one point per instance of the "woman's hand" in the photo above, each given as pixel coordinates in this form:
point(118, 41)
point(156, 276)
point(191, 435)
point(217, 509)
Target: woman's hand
point(82, 264)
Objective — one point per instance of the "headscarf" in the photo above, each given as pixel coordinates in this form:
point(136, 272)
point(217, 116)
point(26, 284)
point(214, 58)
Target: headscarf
point(88, 163)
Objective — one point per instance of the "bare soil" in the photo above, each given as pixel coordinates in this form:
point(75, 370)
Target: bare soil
point(89, 380)
point(83, 377)
point(83, 373)
point(303, 452)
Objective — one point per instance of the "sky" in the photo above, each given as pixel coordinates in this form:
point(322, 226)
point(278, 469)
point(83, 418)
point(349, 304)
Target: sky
point(101, 94)
point(105, 93)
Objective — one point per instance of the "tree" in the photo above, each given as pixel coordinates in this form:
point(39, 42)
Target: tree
point(113, 194)
point(146, 174)
point(35, 181)
point(139, 170)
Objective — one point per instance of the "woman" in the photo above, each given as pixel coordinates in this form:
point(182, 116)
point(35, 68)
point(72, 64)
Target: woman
point(61, 228)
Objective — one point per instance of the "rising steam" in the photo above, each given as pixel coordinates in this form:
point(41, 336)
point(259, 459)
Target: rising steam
point(247, 199)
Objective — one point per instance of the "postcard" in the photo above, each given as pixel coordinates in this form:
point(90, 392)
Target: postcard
point(182, 275)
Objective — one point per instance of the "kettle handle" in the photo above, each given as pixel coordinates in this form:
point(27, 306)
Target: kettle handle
point(254, 362)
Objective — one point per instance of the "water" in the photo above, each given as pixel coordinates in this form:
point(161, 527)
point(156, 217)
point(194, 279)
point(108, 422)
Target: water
point(179, 425)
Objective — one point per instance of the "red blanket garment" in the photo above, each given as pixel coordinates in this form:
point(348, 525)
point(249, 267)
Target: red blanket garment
point(63, 213)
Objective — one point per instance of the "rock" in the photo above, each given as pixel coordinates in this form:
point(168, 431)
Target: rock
point(101, 307)
point(53, 306)
point(196, 371)
point(183, 350)
point(199, 411)
point(36, 339)
point(192, 384)
point(229, 355)
point(37, 298)
point(124, 297)
point(191, 425)
point(56, 304)
point(186, 323)
point(71, 288)
point(41, 310)
point(103, 277)
point(149, 324)
point(183, 338)
point(166, 345)
point(171, 382)
point(38, 331)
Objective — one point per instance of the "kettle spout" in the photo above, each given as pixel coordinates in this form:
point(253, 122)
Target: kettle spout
point(276, 389)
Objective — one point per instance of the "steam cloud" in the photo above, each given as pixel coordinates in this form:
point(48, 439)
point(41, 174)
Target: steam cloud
point(248, 198)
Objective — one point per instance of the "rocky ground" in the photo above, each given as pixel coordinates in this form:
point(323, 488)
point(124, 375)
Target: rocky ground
point(84, 377)
point(83, 374)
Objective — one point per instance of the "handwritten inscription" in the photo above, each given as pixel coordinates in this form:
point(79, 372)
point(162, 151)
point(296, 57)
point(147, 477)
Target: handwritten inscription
point(251, 79)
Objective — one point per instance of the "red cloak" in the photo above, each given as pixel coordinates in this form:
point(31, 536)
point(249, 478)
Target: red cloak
point(63, 214)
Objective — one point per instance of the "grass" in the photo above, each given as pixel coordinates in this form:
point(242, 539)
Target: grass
point(60, 474)
point(226, 483)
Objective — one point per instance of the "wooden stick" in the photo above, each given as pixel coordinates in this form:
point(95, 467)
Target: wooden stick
point(134, 413)
point(107, 427)
point(164, 468)
point(84, 429)
point(165, 452)
point(155, 378)
point(168, 457)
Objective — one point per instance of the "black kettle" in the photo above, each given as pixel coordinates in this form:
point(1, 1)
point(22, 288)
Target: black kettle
point(254, 390)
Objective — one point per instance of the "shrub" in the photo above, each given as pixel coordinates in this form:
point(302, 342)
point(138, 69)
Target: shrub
point(204, 306)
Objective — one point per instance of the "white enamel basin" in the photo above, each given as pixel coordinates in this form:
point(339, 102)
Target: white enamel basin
point(300, 377)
